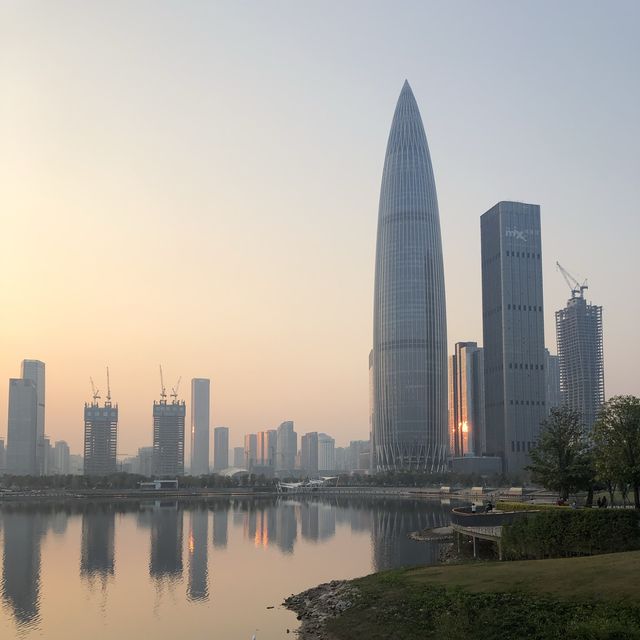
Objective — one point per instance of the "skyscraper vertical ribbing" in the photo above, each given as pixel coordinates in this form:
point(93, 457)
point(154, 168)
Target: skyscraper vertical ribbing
point(409, 394)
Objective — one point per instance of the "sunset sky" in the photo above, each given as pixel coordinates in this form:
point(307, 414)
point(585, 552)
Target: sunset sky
point(196, 184)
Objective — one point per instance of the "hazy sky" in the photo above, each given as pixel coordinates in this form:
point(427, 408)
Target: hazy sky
point(196, 184)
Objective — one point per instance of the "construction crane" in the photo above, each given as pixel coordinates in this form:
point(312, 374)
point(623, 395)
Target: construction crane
point(95, 393)
point(163, 390)
point(577, 289)
point(108, 389)
point(174, 390)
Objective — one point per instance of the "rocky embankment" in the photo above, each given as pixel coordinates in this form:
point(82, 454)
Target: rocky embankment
point(315, 606)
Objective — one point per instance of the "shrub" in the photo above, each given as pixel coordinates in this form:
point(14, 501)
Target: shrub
point(554, 533)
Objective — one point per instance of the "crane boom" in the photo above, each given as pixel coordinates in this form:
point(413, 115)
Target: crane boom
point(95, 393)
point(163, 390)
point(577, 289)
point(174, 390)
point(108, 388)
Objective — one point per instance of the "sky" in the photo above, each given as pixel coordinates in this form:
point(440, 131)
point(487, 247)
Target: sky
point(195, 184)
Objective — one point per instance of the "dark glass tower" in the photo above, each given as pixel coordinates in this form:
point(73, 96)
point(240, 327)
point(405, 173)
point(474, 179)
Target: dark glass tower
point(409, 394)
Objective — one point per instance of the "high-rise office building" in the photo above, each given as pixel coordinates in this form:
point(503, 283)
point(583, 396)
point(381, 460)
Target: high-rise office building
point(22, 433)
point(358, 451)
point(238, 457)
point(168, 437)
point(309, 453)
point(580, 356)
point(552, 372)
point(100, 437)
point(35, 370)
point(287, 446)
point(267, 444)
point(513, 329)
point(61, 457)
point(326, 452)
point(220, 448)
point(409, 317)
point(145, 461)
point(466, 400)
point(200, 402)
point(3, 457)
point(250, 451)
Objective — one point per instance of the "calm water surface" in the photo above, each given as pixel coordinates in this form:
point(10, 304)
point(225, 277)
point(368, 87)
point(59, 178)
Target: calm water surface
point(207, 569)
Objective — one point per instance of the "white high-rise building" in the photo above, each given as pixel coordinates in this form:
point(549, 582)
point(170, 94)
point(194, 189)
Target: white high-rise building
point(34, 370)
point(326, 452)
point(200, 402)
point(287, 447)
point(23, 428)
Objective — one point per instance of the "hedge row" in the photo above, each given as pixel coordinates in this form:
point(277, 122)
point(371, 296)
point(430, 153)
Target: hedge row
point(503, 505)
point(556, 533)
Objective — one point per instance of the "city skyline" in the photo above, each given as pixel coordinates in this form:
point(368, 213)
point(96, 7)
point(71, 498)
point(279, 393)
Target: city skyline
point(270, 254)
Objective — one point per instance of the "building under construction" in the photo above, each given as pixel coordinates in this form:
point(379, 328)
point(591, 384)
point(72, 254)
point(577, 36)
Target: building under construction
point(168, 434)
point(100, 435)
point(580, 356)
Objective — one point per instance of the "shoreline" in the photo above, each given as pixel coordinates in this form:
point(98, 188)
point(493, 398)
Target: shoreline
point(479, 601)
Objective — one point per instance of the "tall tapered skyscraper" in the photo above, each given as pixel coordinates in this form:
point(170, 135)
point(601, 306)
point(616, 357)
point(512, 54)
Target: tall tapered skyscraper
point(409, 368)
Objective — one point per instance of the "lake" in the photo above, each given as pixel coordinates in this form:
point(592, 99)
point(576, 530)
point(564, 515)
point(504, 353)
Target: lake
point(194, 569)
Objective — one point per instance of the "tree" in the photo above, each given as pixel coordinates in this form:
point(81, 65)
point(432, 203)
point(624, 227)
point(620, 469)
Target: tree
point(562, 459)
point(617, 442)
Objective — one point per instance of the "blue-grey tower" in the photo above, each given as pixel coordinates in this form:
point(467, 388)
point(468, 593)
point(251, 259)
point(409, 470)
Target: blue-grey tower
point(409, 367)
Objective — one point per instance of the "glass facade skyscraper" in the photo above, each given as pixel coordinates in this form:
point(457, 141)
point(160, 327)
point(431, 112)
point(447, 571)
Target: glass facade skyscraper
point(200, 401)
point(513, 329)
point(409, 365)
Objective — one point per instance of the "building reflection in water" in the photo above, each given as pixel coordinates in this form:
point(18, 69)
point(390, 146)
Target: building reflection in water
point(277, 522)
point(166, 541)
point(198, 587)
point(220, 526)
point(22, 532)
point(392, 521)
point(286, 526)
point(97, 556)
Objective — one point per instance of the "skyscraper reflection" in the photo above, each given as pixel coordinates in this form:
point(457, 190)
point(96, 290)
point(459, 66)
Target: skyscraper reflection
point(166, 541)
point(220, 527)
point(286, 526)
point(23, 532)
point(392, 521)
point(97, 556)
point(198, 588)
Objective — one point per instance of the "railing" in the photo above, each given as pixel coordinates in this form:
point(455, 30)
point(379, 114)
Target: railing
point(464, 517)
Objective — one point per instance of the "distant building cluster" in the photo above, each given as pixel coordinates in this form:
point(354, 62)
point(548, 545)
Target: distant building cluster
point(28, 451)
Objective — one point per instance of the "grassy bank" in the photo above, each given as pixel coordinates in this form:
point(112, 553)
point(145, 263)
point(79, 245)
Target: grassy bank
point(588, 598)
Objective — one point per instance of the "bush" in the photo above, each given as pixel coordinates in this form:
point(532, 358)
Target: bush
point(528, 506)
point(559, 532)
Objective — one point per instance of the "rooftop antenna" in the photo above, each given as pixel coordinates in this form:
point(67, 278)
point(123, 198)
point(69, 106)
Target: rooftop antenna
point(108, 403)
point(95, 393)
point(174, 390)
point(577, 289)
point(163, 390)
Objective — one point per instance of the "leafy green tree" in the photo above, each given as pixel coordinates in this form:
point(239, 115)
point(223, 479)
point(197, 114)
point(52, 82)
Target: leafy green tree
point(562, 459)
point(617, 442)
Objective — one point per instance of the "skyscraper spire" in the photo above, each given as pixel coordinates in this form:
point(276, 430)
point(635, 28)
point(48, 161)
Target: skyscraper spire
point(409, 381)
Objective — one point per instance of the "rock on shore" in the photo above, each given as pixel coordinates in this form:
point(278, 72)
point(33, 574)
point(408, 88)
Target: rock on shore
point(315, 606)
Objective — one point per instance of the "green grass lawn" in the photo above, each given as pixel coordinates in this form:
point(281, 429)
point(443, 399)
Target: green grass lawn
point(592, 598)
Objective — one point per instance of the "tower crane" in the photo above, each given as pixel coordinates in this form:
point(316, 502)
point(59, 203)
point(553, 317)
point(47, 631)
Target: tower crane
point(174, 390)
point(163, 390)
point(108, 399)
point(577, 289)
point(95, 393)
